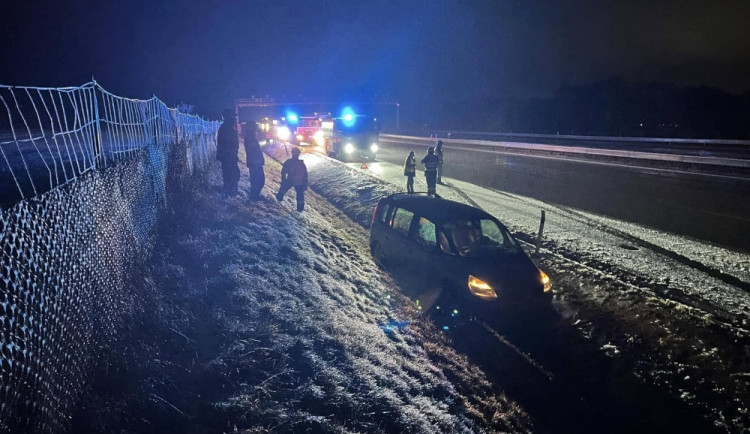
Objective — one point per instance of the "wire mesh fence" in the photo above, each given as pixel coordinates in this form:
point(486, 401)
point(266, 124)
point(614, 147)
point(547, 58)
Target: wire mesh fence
point(85, 176)
point(51, 136)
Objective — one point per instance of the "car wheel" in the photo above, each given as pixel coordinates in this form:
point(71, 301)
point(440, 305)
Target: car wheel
point(376, 250)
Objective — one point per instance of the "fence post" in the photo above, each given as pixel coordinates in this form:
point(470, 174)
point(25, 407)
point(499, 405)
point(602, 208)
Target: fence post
point(99, 160)
point(155, 115)
point(539, 234)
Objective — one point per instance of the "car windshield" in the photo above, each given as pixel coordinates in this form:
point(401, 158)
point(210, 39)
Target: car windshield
point(478, 237)
point(360, 126)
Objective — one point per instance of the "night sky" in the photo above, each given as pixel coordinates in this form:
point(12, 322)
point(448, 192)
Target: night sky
point(207, 53)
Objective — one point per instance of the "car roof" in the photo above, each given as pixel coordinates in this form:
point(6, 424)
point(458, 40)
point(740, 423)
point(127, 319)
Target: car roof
point(436, 209)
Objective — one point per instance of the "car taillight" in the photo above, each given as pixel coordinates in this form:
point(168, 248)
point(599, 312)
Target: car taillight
point(374, 213)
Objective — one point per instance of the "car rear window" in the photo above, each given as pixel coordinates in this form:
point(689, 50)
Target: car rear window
point(402, 220)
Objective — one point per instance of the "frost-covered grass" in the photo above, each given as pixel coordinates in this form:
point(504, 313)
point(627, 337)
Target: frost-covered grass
point(656, 299)
point(262, 319)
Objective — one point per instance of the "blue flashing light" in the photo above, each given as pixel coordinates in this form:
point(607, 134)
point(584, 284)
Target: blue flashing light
point(446, 328)
point(349, 116)
point(292, 117)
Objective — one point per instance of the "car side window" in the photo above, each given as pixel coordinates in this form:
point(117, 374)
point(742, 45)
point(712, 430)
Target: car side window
point(383, 212)
point(402, 220)
point(426, 232)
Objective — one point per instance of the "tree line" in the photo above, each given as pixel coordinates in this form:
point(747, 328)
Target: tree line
point(609, 108)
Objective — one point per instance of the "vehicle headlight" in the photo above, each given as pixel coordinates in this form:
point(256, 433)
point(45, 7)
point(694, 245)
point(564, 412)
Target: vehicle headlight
point(283, 133)
point(374, 147)
point(319, 138)
point(545, 281)
point(348, 148)
point(300, 137)
point(481, 289)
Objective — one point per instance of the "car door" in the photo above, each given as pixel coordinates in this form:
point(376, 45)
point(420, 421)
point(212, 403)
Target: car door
point(425, 249)
point(396, 241)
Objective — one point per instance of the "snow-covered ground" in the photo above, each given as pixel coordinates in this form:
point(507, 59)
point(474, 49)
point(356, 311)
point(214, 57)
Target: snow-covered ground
point(261, 319)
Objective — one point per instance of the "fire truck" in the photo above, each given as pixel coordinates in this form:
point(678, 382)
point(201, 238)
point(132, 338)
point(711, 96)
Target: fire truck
point(309, 131)
point(351, 137)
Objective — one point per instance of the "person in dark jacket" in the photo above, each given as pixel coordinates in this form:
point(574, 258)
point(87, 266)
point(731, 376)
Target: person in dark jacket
point(431, 162)
point(294, 174)
point(227, 146)
point(255, 161)
point(439, 153)
point(410, 169)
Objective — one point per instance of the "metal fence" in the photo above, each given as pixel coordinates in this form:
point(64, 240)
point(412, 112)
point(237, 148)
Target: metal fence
point(85, 176)
point(51, 136)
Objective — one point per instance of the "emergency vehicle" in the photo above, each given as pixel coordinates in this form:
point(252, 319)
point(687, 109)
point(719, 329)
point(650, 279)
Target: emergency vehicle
point(273, 129)
point(350, 137)
point(309, 131)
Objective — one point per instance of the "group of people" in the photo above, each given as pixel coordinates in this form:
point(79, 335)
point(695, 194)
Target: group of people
point(293, 171)
point(433, 169)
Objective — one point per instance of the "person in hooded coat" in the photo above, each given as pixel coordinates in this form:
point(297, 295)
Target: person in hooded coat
point(255, 161)
point(294, 174)
point(227, 146)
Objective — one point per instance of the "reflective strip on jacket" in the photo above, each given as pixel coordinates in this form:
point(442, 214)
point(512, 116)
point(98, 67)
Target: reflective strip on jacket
point(410, 165)
point(431, 163)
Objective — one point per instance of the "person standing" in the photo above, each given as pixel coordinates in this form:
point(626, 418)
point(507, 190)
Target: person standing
point(227, 146)
point(255, 161)
point(439, 153)
point(410, 169)
point(294, 174)
point(430, 162)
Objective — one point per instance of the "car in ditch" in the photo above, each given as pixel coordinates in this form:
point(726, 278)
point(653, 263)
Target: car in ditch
point(465, 254)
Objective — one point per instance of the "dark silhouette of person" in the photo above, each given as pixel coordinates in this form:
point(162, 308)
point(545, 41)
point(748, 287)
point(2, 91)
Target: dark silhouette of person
point(227, 146)
point(255, 161)
point(294, 174)
point(431, 162)
point(410, 169)
point(439, 153)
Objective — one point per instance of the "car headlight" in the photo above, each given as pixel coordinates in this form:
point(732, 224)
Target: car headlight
point(348, 148)
point(545, 281)
point(481, 289)
point(374, 148)
point(300, 137)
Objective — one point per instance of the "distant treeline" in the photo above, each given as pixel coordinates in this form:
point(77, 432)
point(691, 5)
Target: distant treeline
point(610, 108)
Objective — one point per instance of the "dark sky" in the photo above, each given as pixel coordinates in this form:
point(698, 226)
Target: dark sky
point(208, 53)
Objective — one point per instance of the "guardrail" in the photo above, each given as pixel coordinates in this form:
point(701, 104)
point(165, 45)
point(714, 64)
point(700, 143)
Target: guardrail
point(714, 147)
point(543, 137)
point(571, 151)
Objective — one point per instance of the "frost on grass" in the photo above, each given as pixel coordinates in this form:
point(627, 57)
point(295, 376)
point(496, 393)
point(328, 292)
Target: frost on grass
point(655, 297)
point(303, 344)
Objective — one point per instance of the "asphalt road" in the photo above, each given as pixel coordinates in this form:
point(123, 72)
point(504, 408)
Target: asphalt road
point(710, 207)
